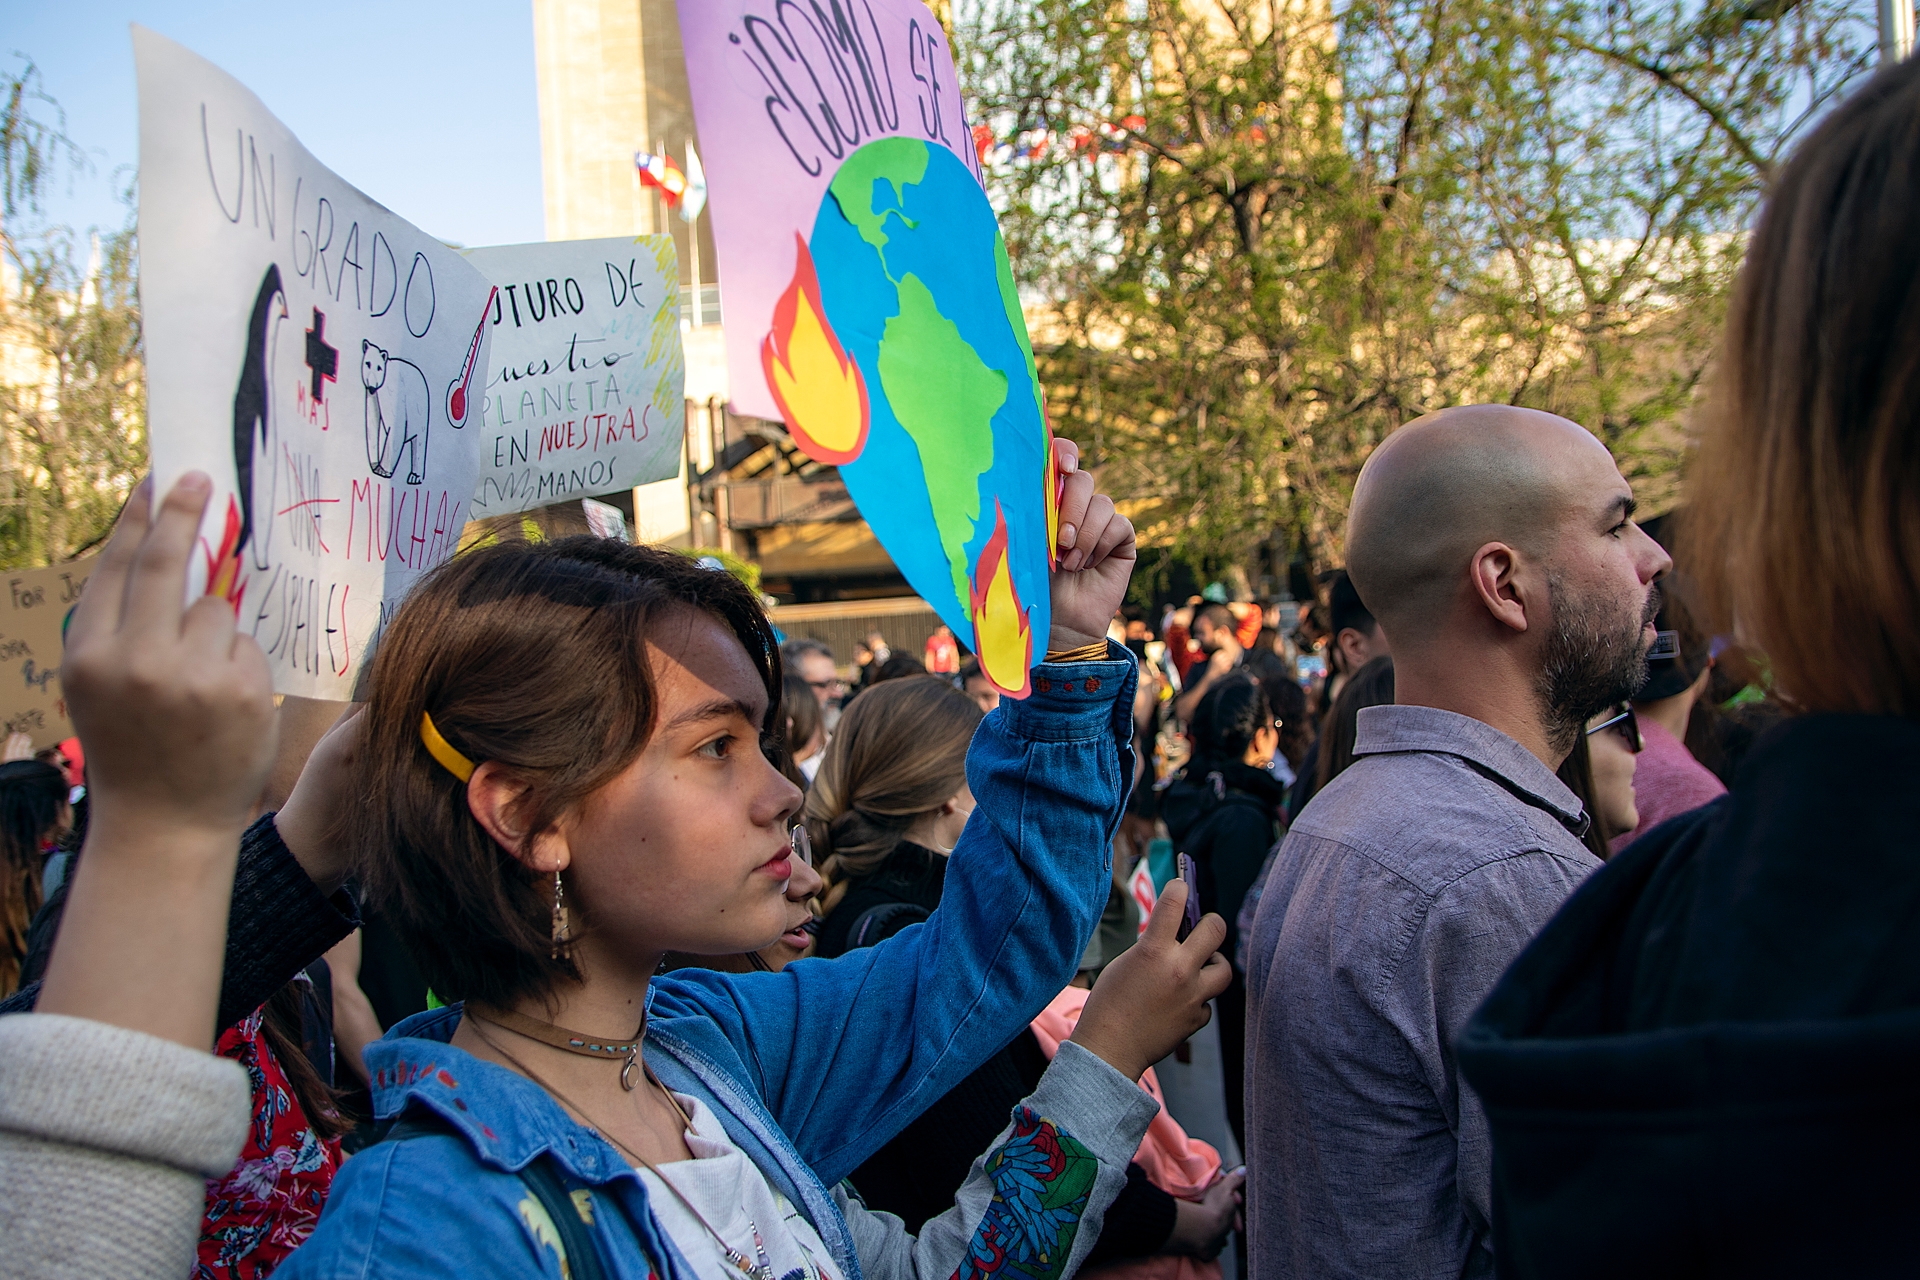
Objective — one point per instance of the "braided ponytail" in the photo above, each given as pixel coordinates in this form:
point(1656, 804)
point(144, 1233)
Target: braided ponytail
point(899, 754)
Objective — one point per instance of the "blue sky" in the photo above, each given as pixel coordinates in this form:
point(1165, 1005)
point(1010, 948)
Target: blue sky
point(428, 106)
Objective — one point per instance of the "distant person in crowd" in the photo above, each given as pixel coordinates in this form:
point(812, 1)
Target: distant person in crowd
point(1371, 686)
point(1355, 640)
point(34, 815)
point(812, 661)
point(1213, 632)
point(943, 651)
point(1223, 811)
point(1496, 545)
point(883, 813)
point(888, 802)
point(898, 666)
point(973, 682)
point(1600, 771)
point(868, 654)
point(1288, 703)
point(1703, 1066)
point(803, 728)
point(1669, 780)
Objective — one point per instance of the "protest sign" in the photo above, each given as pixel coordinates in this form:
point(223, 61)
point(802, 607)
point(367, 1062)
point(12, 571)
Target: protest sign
point(586, 386)
point(319, 357)
point(33, 621)
point(868, 299)
point(606, 520)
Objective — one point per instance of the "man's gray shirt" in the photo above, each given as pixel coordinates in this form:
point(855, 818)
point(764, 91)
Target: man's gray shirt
point(1400, 895)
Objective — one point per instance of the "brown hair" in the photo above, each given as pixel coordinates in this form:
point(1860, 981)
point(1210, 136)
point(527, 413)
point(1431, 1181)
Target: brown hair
point(1577, 772)
point(899, 753)
point(31, 793)
point(1370, 686)
point(1803, 530)
point(531, 655)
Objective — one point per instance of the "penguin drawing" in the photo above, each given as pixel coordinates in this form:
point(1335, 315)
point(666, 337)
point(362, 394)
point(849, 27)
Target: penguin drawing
point(254, 438)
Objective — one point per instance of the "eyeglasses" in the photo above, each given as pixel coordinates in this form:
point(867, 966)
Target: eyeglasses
point(1627, 723)
point(835, 683)
point(802, 844)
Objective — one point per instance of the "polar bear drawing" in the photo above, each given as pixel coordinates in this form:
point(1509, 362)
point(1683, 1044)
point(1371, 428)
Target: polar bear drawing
point(398, 407)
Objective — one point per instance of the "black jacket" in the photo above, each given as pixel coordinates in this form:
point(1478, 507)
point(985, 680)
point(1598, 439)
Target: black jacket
point(1226, 829)
point(1708, 1063)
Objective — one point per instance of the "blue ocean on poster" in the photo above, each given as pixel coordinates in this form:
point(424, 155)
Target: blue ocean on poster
point(912, 283)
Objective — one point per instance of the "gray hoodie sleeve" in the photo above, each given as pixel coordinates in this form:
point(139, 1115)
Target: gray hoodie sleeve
point(1037, 1197)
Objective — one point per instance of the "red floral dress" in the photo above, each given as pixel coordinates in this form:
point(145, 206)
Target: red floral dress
point(268, 1204)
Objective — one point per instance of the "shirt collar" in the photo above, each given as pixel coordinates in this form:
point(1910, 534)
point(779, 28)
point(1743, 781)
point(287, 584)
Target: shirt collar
point(507, 1119)
point(1391, 729)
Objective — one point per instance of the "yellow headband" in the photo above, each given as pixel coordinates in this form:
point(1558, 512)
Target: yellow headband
point(442, 750)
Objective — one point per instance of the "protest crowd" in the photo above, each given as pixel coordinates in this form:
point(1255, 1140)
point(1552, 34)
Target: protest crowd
point(1549, 901)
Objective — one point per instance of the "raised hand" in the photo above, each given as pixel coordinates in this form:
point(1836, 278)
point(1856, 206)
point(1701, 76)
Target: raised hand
point(1096, 557)
point(173, 705)
point(1155, 994)
point(175, 710)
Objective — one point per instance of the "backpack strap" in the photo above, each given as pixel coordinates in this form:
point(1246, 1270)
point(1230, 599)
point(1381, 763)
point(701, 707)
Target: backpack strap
point(579, 1251)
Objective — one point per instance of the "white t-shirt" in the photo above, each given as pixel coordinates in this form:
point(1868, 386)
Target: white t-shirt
point(738, 1202)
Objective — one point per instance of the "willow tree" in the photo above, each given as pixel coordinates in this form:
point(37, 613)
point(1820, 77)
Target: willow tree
point(72, 404)
point(1256, 236)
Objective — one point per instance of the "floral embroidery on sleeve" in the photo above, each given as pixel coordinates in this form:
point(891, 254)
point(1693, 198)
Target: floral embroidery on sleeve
point(1041, 1179)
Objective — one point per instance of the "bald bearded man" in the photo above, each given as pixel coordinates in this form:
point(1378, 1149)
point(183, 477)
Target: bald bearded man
point(1496, 548)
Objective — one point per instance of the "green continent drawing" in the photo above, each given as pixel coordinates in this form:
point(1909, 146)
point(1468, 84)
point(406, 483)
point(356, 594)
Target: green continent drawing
point(945, 397)
point(900, 162)
point(942, 392)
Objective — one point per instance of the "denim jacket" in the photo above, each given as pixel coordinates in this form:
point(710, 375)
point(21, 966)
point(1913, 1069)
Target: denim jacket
point(810, 1070)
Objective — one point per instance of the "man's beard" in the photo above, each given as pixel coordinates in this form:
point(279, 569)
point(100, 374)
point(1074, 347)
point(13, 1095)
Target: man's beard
point(1596, 657)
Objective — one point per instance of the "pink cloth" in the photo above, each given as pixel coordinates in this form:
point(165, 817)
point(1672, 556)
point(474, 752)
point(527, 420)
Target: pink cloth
point(1182, 1167)
point(1667, 781)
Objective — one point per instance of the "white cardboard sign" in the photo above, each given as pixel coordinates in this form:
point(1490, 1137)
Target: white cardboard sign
point(321, 358)
point(586, 389)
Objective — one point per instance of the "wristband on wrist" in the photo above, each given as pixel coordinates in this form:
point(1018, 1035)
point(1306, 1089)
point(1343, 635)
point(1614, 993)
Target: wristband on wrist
point(1095, 652)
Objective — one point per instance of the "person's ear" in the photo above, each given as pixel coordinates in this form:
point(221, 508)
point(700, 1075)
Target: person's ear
point(496, 799)
point(1495, 572)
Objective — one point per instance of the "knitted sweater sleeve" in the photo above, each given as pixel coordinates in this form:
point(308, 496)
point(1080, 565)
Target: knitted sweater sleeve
point(107, 1138)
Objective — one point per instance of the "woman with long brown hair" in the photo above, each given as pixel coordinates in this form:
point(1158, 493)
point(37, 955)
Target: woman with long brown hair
point(1704, 1065)
point(34, 813)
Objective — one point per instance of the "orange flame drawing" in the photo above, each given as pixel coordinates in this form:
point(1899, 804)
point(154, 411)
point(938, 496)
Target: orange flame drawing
point(817, 386)
point(223, 566)
point(1002, 639)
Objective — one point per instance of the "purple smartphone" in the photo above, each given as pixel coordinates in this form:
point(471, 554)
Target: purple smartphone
point(1191, 874)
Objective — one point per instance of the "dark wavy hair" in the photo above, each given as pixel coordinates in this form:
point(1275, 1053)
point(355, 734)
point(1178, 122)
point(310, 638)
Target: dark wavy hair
point(1224, 724)
point(31, 794)
point(533, 656)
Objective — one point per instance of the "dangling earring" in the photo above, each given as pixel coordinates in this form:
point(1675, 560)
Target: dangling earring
point(562, 926)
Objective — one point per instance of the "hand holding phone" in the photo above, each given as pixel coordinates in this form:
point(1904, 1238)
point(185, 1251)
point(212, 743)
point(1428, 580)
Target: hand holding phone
point(1190, 872)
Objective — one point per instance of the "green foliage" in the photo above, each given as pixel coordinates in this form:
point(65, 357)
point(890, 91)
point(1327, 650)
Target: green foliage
point(73, 435)
point(1312, 225)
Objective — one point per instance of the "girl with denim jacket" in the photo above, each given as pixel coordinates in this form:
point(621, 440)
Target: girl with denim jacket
point(563, 780)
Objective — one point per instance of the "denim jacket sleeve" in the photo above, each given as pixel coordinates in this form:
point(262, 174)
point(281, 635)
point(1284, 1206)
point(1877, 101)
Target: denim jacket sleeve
point(845, 1052)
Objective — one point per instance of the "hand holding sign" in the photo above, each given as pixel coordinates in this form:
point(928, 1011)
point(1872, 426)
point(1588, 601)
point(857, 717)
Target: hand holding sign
point(173, 704)
point(1096, 556)
point(175, 707)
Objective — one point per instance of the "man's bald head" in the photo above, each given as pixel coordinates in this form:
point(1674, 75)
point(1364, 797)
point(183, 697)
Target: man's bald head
point(1445, 485)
